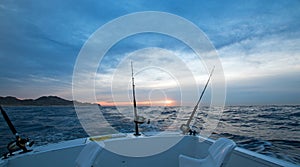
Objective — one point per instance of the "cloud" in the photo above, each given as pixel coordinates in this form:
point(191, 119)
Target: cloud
point(178, 75)
point(263, 69)
point(35, 86)
point(236, 22)
point(256, 40)
point(259, 57)
point(154, 69)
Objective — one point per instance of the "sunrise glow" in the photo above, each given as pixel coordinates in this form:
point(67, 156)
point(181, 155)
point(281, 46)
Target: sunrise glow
point(166, 102)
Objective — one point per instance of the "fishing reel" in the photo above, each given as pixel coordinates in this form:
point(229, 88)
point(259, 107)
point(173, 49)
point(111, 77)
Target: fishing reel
point(17, 145)
point(187, 130)
point(139, 120)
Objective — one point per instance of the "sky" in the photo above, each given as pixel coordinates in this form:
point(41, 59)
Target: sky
point(258, 43)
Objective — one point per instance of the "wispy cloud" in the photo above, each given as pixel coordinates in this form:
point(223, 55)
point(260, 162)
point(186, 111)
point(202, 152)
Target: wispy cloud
point(259, 57)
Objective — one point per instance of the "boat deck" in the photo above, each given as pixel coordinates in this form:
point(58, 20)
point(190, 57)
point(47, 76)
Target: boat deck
point(122, 150)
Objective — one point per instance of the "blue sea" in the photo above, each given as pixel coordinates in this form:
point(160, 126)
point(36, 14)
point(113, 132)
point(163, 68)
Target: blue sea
point(273, 130)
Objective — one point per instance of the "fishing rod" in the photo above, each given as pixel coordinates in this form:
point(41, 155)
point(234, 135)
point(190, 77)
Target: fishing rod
point(186, 127)
point(133, 93)
point(137, 119)
point(19, 143)
point(9, 123)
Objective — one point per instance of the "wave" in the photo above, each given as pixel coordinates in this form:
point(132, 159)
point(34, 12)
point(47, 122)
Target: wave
point(270, 130)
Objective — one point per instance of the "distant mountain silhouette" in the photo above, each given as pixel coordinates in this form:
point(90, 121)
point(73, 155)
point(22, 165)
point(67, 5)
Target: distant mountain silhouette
point(41, 101)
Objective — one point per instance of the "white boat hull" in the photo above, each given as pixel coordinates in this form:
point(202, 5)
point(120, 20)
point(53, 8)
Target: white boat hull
point(130, 151)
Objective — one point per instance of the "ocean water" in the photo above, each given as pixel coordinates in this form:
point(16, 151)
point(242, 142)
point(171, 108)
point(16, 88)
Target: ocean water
point(271, 130)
